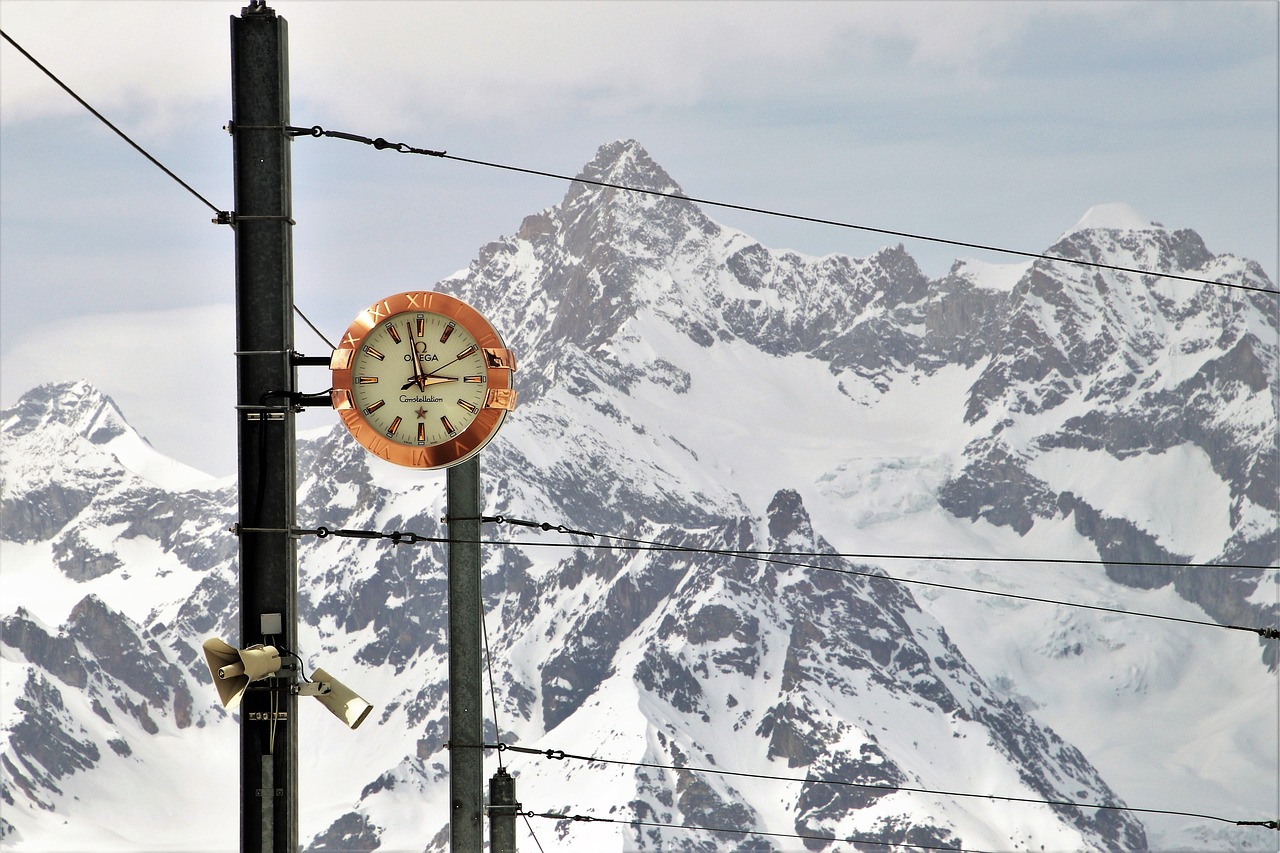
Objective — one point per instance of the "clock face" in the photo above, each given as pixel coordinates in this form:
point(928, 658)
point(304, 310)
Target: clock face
point(422, 380)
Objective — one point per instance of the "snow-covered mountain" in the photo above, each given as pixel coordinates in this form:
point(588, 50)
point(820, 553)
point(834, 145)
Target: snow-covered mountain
point(680, 382)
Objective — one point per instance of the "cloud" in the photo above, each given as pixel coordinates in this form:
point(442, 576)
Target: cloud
point(486, 61)
point(376, 61)
point(144, 62)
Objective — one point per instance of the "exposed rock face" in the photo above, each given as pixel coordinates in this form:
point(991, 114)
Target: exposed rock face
point(350, 833)
point(704, 651)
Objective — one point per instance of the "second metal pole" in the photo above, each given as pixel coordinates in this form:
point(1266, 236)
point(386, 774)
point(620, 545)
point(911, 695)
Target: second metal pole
point(503, 809)
point(466, 721)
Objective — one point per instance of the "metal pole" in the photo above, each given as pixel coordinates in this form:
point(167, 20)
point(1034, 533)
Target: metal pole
point(264, 343)
point(466, 762)
point(503, 809)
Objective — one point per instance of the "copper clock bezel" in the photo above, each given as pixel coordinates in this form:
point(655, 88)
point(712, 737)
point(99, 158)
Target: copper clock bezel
point(499, 399)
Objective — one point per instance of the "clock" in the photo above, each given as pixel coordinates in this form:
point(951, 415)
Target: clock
point(422, 380)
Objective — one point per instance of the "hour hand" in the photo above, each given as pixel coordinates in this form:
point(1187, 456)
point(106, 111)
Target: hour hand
point(418, 375)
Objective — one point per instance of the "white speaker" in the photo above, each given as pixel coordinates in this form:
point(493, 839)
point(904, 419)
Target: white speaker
point(341, 700)
point(232, 669)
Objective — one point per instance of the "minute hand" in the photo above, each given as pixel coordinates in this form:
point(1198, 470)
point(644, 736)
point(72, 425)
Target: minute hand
point(426, 380)
point(466, 352)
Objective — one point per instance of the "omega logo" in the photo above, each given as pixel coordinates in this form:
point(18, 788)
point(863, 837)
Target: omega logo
point(423, 356)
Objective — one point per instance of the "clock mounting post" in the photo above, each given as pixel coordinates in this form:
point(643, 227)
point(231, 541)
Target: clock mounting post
point(422, 379)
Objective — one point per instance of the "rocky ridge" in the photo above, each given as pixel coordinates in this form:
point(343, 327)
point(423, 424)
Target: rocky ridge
point(613, 301)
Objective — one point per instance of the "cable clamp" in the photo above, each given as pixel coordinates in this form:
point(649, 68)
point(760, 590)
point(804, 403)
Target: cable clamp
point(450, 745)
point(378, 143)
point(410, 538)
point(540, 525)
point(578, 818)
point(500, 810)
point(237, 217)
point(557, 754)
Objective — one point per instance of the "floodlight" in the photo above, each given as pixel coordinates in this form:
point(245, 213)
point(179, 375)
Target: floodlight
point(341, 700)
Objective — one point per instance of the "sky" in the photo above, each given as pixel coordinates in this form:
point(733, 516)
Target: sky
point(992, 123)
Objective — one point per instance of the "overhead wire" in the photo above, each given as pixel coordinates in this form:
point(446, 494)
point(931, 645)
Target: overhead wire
point(488, 664)
point(222, 214)
point(560, 528)
point(631, 544)
point(319, 333)
point(730, 830)
point(225, 217)
point(634, 544)
point(529, 826)
point(560, 755)
point(493, 699)
point(403, 148)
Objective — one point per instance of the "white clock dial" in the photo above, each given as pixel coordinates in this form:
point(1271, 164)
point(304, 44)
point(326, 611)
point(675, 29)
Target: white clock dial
point(419, 378)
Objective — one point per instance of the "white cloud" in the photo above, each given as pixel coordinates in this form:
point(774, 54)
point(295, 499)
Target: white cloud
point(480, 61)
point(146, 61)
point(374, 61)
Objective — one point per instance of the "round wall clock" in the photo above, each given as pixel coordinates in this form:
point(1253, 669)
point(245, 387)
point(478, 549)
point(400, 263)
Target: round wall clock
point(421, 379)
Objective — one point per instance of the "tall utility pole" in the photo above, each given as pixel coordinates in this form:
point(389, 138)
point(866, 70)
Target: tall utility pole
point(265, 372)
point(466, 720)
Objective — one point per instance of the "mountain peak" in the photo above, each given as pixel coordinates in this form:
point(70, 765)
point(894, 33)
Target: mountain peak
point(78, 405)
point(626, 162)
point(82, 409)
point(1115, 216)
